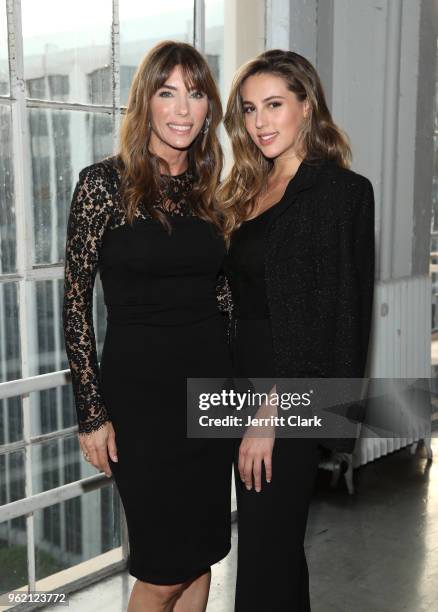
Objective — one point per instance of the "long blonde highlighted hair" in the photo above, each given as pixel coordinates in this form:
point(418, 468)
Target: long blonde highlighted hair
point(140, 168)
point(318, 137)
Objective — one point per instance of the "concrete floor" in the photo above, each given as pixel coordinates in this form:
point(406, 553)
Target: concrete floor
point(376, 551)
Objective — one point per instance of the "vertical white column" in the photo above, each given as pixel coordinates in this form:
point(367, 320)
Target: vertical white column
point(278, 24)
point(390, 135)
point(244, 38)
point(303, 27)
point(372, 56)
point(244, 34)
point(23, 212)
point(374, 71)
point(199, 25)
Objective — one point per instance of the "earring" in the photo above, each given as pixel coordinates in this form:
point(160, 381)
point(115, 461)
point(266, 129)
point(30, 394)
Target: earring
point(206, 126)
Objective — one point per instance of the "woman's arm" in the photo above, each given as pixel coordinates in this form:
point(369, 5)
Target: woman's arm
point(89, 214)
point(364, 263)
point(351, 347)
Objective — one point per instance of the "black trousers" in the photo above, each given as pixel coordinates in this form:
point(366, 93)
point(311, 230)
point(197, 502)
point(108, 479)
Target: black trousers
point(272, 572)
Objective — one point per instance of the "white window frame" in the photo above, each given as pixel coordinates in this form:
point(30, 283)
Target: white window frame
point(28, 271)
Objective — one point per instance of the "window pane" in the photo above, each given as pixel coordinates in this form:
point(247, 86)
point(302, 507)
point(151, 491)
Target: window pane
point(142, 25)
point(100, 316)
point(58, 462)
point(10, 366)
point(46, 348)
point(62, 52)
point(214, 40)
point(12, 476)
point(51, 410)
point(72, 531)
point(13, 554)
point(4, 66)
point(8, 258)
point(62, 143)
point(11, 421)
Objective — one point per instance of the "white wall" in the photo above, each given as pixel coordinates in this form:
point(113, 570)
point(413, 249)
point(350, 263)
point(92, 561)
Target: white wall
point(377, 61)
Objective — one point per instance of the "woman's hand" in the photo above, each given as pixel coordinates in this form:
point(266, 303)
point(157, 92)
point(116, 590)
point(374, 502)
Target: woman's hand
point(257, 445)
point(252, 452)
point(98, 445)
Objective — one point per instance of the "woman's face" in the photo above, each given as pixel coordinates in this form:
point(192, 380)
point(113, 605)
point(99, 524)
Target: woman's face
point(273, 113)
point(177, 114)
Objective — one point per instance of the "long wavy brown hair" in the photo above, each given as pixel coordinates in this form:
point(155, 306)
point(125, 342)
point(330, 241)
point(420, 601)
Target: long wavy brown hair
point(318, 137)
point(139, 167)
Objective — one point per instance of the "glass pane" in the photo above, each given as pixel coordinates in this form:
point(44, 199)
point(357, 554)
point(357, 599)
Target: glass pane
point(13, 554)
point(214, 40)
point(10, 365)
point(62, 143)
point(233, 494)
point(4, 65)
point(76, 530)
point(46, 346)
point(12, 476)
point(11, 418)
point(8, 256)
point(58, 462)
point(63, 54)
point(142, 25)
point(100, 309)
point(47, 351)
point(51, 410)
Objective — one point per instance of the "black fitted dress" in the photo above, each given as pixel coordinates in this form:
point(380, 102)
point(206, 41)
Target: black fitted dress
point(272, 573)
point(164, 325)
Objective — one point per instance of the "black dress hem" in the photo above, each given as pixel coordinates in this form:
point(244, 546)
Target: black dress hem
point(180, 576)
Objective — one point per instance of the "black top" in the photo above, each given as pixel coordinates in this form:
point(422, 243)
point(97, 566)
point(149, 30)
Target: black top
point(148, 276)
point(245, 268)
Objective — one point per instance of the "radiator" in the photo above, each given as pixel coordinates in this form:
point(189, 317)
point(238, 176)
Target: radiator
point(400, 347)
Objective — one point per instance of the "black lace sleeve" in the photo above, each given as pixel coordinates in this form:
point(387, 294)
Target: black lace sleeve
point(89, 215)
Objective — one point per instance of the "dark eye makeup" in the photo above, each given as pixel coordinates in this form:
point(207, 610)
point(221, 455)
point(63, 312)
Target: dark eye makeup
point(193, 94)
point(248, 109)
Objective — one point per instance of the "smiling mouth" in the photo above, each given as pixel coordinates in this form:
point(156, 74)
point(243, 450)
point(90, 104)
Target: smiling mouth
point(267, 138)
point(180, 128)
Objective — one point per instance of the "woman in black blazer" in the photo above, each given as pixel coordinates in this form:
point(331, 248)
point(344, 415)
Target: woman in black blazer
point(300, 229)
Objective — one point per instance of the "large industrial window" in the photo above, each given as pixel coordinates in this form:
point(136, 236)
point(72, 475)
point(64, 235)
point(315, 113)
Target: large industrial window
point(65, 73)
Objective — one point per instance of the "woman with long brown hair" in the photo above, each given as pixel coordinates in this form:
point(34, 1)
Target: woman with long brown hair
point(146, 219)
point(300, 228)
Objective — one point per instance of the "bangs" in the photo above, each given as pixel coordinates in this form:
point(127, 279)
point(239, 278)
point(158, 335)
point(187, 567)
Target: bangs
point(194, 75)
